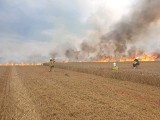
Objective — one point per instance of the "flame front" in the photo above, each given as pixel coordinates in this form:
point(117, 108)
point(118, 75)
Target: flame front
point(143, 57)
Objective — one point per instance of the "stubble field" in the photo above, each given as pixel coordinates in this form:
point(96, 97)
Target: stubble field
point(80, 91)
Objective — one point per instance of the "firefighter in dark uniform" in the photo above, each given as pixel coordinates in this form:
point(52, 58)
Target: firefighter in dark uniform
point(136, 63)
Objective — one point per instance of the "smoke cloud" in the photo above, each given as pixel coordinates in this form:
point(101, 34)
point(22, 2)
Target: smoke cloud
point(77, 30)
point(130, 30)
point(136, 24)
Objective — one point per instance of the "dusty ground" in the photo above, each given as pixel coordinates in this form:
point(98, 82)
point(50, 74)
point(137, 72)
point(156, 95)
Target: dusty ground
point(33, 93)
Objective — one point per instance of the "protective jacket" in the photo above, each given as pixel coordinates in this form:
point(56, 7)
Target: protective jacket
point(136, 62)
point(51, 63)
point(115, 68)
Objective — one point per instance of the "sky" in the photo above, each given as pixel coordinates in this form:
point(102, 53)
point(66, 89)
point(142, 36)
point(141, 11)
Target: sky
point(35, 30)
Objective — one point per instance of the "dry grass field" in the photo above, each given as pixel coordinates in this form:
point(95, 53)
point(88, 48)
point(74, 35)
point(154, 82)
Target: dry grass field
point(147, 73)
point(80, 91)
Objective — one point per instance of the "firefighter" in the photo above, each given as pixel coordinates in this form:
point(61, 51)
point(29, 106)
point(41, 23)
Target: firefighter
point(115, 67)
point(51, 64)
point(136, 63)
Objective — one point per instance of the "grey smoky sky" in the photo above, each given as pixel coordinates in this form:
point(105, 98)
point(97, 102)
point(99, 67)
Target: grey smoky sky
point(35, 30)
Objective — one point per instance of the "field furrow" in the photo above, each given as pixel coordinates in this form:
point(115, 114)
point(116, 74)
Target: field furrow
point(33, 93)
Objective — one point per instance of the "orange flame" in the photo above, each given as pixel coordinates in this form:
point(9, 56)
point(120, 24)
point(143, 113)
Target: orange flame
point(143, 57)
point(146, 57)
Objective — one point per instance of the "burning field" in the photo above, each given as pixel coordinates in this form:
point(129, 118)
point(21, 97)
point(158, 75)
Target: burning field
point(82, 85)
point(81, 91)
point(136, 34)
point(143, 57)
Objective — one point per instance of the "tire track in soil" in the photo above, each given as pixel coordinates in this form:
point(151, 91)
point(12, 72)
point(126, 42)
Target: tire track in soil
point(24, 107)
point(56, 110)
point(4, 110)
point(58, 96)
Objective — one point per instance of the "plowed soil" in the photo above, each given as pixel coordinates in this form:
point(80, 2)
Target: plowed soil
point(33, 93)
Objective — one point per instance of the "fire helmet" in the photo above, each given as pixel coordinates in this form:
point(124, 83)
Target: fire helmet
point(114, 64)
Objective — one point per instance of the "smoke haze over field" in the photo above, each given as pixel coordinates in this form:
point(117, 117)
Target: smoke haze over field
point(133, 29)
point(135, 24)
point(34, 31)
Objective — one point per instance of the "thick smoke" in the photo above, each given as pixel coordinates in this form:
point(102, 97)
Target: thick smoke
point(126, 32)
point(70, 53)
point(85, 47)
point(130, 27)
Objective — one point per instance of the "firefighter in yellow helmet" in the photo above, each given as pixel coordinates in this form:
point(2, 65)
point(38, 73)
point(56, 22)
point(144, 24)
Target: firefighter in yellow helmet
point(115, 67)
point(51, 64)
